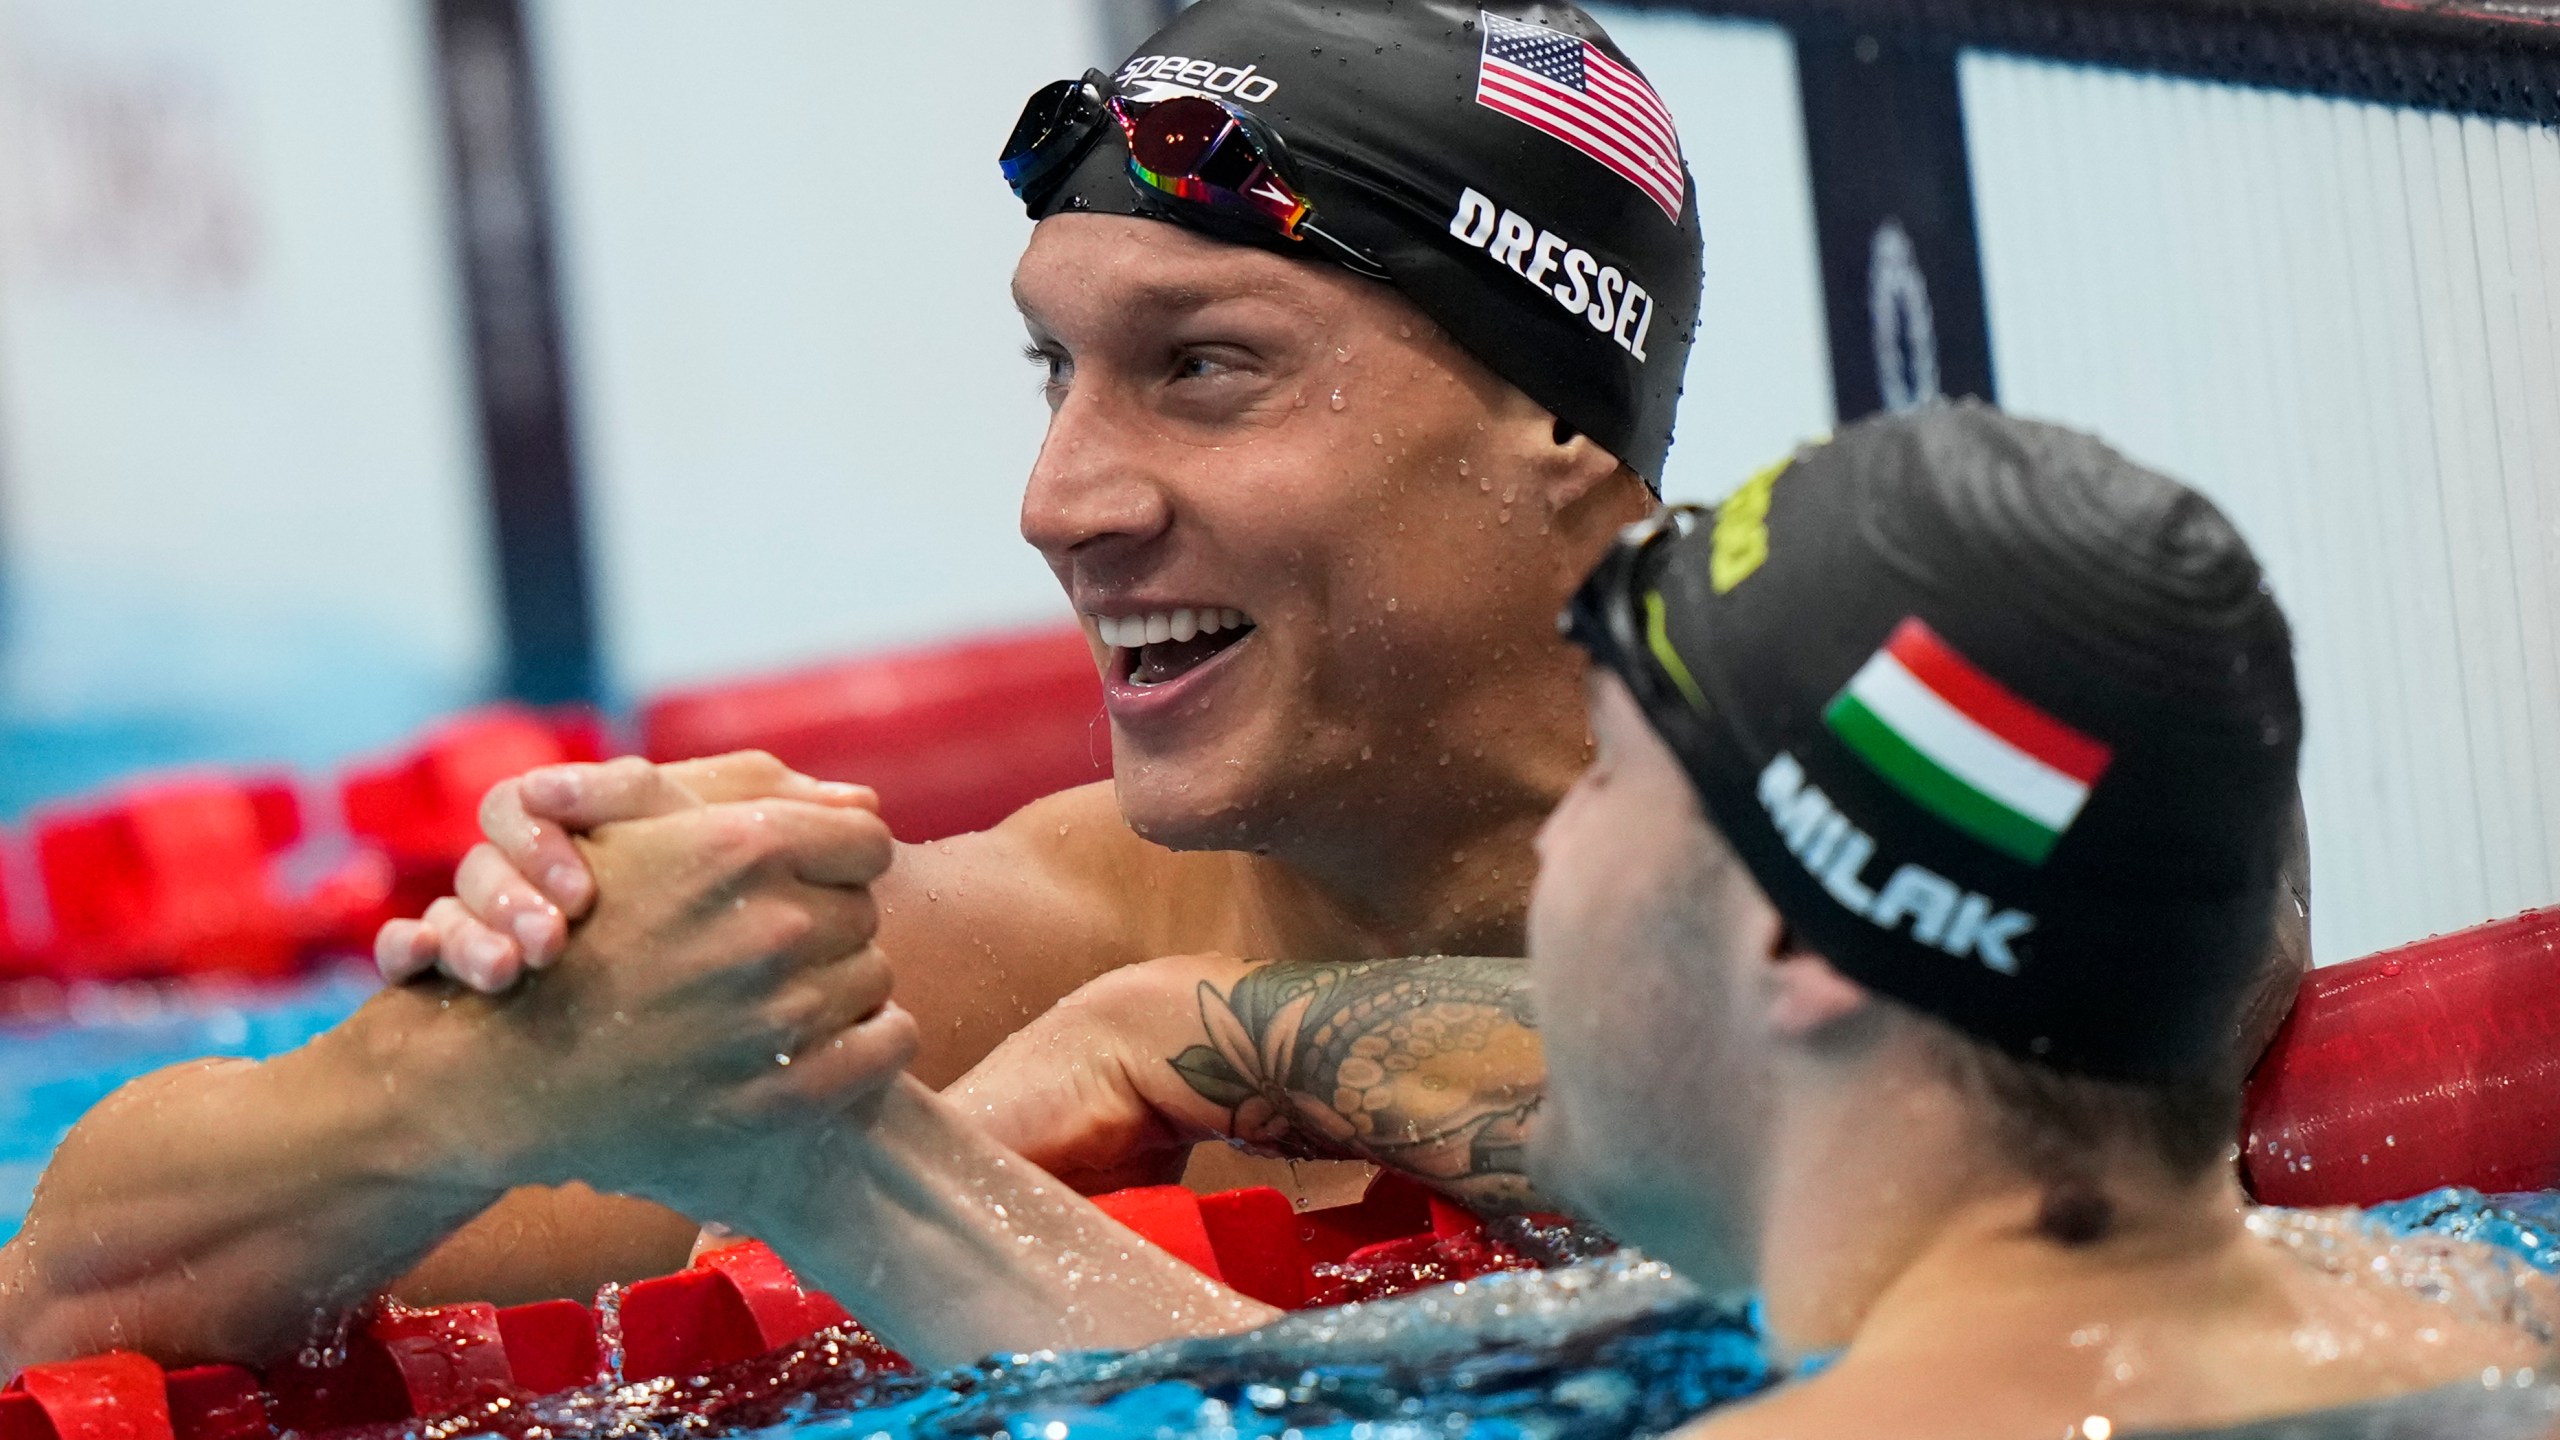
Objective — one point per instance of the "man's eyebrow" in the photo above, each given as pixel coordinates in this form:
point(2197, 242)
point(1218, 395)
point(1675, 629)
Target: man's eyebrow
point(1176, 297)
point(1167, 297)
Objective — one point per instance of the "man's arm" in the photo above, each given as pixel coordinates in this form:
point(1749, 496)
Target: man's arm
point(1429, 1066)
point(299, 1181)
point(952, 1247)
point(223, 1210)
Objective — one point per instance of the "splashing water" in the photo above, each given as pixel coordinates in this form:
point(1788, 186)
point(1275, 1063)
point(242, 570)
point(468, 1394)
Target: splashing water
point(1599, 1350)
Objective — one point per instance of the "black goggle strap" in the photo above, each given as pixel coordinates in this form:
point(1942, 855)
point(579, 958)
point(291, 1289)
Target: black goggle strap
point(1620, 617)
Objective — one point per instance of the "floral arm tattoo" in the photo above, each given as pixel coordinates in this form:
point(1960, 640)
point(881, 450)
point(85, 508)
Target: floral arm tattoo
point(1430, 1066)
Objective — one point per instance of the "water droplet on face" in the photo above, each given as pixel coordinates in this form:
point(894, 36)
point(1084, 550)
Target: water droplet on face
point(1341, 356)
point(1337, 400)
point(1377, 439)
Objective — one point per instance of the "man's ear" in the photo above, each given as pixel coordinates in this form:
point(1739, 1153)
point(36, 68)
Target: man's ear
point(1806, 995)
point(1575, 471)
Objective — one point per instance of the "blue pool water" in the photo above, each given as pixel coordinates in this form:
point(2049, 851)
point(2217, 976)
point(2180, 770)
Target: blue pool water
point(51, 1073)
point(1604, 1349)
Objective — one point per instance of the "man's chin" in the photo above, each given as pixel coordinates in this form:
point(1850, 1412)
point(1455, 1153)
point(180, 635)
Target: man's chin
point(1171, 807)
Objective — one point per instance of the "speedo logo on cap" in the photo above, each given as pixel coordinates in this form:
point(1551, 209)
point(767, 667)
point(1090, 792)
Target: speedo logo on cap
point(1964, 747)
point(1942, 914)
point(1239, 81)
point(1609, 299)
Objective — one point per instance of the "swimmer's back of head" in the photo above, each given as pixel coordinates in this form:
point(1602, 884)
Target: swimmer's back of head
point(2003, 723)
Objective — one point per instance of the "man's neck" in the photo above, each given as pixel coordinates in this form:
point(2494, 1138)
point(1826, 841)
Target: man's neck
point(2178, 1319)
point(1403, 889)
point(1888, 1211)
point(1427, 848)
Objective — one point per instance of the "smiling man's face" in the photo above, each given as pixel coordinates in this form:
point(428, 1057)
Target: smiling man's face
point(1311, 539)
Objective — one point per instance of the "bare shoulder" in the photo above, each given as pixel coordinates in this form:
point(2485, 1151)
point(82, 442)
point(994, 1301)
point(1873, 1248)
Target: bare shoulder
point(1779, 1415)
point(1070, 860)
point(989, 929)
point(1938, 1402)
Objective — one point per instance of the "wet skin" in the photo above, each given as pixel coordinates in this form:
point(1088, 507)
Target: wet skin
point(1357, 779)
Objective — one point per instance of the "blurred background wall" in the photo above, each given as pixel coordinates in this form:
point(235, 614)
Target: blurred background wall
point(246, 501)
point(243, 510)
point(239, 507)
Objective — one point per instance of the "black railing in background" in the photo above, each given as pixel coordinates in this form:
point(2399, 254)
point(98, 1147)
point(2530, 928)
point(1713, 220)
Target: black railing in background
point(1884, 129)
point(2497, 58)
point(501, 216)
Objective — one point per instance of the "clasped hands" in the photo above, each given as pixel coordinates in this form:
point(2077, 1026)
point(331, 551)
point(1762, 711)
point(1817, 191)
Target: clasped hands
point(727, 991)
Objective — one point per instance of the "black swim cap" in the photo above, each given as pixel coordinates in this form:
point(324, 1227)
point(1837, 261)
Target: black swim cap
point(1505, 165)
point(2003, 723)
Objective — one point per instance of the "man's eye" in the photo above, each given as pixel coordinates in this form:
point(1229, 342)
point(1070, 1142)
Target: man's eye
point(1198, 367)
point(1056, 368)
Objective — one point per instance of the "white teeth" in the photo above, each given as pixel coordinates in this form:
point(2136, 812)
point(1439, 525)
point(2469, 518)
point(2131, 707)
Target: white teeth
point(1128, 632)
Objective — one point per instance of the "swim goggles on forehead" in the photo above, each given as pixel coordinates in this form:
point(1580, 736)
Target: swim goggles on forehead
point(1208, 153)
point(1620, 617)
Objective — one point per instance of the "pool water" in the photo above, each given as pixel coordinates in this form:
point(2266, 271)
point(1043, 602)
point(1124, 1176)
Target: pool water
point(1594, 1350)
point(52, 1071)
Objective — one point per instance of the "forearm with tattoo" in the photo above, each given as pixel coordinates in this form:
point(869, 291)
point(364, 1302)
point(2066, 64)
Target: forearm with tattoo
point(1430, 1066)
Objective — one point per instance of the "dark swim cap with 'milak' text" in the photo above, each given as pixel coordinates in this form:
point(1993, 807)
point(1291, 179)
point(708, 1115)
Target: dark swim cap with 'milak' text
point(2003, 723)
point(1505, 164)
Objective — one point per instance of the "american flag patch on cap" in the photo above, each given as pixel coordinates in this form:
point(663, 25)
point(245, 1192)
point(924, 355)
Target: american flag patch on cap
point(1571, 89)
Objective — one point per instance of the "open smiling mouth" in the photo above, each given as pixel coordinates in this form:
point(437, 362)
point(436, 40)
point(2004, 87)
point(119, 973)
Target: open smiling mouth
point(1162, 646)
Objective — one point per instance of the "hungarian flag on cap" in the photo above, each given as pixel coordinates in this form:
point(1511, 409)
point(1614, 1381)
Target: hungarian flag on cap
point(1964, 747)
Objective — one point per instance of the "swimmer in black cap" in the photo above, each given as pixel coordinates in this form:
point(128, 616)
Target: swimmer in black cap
point(1888, 953)
point(1317, 523)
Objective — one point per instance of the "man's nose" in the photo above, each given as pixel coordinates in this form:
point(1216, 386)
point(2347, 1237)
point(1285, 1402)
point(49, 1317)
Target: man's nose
point(1091, 486)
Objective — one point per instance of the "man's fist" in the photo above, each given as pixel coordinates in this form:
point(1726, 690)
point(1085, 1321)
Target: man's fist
point(516, 894)
point(721, 986)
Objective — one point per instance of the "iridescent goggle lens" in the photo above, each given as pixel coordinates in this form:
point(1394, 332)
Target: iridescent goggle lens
point(1197, 149)
point(1210, 153)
